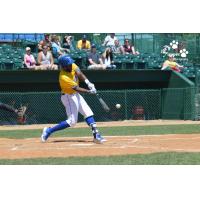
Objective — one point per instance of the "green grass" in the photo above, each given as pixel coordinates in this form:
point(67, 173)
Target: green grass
point(140, 159)
point(131, 130)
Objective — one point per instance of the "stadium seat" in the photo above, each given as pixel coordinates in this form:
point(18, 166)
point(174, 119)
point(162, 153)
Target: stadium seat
point(21, 37)
point(1, 37)
point(8, 37)
point(18, 64)
point(8, 64)
point(1, 65)
point(119, 64)
point(39, 37)
point(129, 64)
point(30, 37)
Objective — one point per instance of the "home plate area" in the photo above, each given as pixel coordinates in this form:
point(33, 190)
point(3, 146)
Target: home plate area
point(84, 146)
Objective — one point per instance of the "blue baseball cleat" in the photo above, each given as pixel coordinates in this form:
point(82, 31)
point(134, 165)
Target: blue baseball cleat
point(44, 135)
point(98, 139)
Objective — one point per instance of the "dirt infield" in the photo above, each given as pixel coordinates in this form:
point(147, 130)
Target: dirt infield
point(83, 146)
point(116, 145)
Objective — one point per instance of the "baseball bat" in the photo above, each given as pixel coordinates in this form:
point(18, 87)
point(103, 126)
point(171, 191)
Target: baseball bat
point(103, 103)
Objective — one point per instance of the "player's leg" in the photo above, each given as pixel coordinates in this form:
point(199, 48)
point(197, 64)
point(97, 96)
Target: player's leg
point(70, 103)
point(86, 111)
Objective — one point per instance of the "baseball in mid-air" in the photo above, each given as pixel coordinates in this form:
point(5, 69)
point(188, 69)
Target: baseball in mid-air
point(118, 106)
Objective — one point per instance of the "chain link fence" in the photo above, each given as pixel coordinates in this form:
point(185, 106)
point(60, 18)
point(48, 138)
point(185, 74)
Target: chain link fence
point(46, 107)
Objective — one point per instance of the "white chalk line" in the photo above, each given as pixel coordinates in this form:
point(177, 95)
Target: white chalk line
point(81, 145)
point(106, 145)
point(14, 148)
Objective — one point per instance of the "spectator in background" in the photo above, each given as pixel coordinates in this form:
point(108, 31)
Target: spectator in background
point(45, 42)
point(20, 112)
point(29, 60)
point(45, 60)
point(67, 43)
point(95, 60)
point(84, 43)
point(128, 48)
point(109, 40)
point(107, 57)
point(117, 48)
point(57, 50)
point(170, 64)
point(181, 45)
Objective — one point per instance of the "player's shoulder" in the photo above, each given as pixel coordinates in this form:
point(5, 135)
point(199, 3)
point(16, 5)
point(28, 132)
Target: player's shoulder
point(62, 72)
point(74, 66)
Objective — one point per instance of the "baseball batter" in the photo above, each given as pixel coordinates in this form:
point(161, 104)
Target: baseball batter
point(72, 100)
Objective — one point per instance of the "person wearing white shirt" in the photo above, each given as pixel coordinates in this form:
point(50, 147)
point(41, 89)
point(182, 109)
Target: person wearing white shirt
point(107, 57)
point(110, 40)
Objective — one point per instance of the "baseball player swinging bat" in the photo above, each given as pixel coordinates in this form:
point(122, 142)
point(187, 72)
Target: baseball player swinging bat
point(103, 103)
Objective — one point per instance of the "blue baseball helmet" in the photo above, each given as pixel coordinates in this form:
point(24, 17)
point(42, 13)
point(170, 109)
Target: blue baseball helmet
point(65, 61)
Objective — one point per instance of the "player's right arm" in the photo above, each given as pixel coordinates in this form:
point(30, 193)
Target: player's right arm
point(80, 89)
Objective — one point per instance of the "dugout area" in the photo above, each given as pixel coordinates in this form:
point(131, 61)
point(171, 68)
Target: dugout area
point(143, 94)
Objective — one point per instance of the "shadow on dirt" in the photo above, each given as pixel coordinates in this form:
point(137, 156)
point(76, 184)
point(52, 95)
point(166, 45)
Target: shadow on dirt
point(78, 140)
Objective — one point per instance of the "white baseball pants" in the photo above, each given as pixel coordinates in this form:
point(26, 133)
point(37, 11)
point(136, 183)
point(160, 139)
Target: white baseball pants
point(74, 104)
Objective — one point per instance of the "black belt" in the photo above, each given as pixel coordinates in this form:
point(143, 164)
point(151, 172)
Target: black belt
point(65, 94)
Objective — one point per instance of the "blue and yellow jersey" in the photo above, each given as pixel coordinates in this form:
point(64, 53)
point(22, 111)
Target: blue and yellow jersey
point(68, 80)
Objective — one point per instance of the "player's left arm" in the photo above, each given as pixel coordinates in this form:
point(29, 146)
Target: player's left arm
point(80, 74)
point(82, 77)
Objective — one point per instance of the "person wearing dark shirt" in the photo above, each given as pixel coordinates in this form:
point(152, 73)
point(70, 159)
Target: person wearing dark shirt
point(67, 43)
point(45, 42)
point(128, 48)
point(94, 59)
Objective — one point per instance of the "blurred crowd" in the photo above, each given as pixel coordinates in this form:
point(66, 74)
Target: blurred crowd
point(51, 47)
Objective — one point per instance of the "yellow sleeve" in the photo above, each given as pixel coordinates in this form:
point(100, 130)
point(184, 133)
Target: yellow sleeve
point(79, 46)
point(89, 46)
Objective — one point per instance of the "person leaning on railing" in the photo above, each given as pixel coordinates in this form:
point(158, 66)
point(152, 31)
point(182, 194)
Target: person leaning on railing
point(170, 64)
